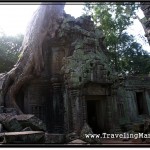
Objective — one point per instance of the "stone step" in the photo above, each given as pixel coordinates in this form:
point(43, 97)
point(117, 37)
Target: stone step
point(23, 137)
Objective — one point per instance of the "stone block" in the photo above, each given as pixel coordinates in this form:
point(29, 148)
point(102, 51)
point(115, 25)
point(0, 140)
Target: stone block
point(28, 120)
point(10, 123)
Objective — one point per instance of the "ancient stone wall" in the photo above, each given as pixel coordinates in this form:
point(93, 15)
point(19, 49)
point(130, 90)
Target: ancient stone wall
point(133, 100)
point(77, 72)
point(85, 62)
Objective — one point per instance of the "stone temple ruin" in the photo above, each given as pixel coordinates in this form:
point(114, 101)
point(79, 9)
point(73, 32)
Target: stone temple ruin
point(78, 89)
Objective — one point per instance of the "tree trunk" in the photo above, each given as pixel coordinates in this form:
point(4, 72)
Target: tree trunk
point(45, 23)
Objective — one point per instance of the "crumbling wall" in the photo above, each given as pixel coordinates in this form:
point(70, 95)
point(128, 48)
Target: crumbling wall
point(127, 100)
point(86, 60)
point(75, 56)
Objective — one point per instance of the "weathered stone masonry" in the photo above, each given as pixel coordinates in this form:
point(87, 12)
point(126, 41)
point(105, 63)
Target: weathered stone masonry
point(79, 86)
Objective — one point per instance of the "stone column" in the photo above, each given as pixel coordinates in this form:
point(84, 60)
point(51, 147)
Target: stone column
point(58, 108)
point(66, 110)
point(84, 109)
point(109, 113)
point(57, 94)
point(113, 117)
point(112, 114)
point(75, 106)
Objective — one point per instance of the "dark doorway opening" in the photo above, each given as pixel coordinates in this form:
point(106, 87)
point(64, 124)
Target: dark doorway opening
point(97, 113)
point(141, 104)
point(92, 115)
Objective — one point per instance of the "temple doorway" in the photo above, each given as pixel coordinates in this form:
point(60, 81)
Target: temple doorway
point(97, 114)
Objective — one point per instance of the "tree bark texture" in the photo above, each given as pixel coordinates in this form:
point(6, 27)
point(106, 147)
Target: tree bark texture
point(45, 22)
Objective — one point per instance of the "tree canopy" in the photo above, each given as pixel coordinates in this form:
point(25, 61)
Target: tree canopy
point(9, 51)
point(113, 19)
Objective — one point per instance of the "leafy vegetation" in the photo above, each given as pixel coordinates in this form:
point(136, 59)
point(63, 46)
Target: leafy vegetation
point(9, 51)
point(113, 19)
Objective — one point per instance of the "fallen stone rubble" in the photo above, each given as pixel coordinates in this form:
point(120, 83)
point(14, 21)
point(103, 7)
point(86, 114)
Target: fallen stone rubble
point(25, 128)
point(144, 128)
point(141, 127)
point(28, 129)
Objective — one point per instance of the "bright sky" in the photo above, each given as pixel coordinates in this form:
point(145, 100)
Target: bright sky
point(15, 18)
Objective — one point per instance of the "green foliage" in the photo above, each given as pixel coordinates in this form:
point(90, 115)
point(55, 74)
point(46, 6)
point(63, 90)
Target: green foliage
point(113, 19)
point(9, 51)
point(133, 58)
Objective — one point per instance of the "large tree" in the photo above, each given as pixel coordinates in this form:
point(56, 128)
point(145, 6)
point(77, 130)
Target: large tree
point(114, 19)
point(44, 24)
